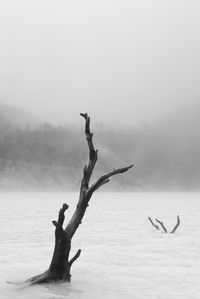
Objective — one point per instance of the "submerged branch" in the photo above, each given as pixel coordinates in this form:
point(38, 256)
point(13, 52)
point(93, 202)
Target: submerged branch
point(177, 225)
point(154, 225)
point(162, 225)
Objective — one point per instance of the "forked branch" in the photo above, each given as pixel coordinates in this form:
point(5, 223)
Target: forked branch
point(86, 190)
point(105, 178)
point(61, 216)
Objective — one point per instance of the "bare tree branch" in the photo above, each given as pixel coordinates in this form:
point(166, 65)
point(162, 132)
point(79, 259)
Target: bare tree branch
point(105, 178)
point(74, 258)
point(88, 169)
point(86, 191)
point(162, 225)
point(154, 225)
point(177, 225)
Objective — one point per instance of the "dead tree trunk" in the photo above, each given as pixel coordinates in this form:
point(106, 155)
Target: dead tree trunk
point(59, 269)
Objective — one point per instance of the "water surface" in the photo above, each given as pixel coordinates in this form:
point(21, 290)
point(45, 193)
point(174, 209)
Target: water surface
point(122, 255)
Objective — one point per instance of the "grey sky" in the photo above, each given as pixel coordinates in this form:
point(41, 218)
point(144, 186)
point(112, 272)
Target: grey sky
point(117, 59)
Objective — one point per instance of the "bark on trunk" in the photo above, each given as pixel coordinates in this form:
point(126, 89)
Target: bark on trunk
point(59, 269)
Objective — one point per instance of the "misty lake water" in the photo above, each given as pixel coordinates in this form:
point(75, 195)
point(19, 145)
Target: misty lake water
point(123, 256)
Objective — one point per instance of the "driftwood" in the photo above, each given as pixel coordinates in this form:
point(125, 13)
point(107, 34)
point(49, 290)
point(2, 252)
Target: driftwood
point(60, 266)
point(163, 226)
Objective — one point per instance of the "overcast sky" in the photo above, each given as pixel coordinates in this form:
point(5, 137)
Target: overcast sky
point(120, 60)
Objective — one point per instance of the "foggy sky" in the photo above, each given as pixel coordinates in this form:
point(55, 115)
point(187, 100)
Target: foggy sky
point(119, 60)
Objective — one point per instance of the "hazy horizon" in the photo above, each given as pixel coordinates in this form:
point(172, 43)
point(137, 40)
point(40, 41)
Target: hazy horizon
point(121, 61)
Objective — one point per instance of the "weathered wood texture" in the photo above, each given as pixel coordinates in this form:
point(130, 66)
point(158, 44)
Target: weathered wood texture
point(59, 269)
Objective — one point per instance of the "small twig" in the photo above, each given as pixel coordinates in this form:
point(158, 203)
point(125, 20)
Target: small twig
point(176, 226)
point(154, 225)
point(162, 225)
point(74, 258)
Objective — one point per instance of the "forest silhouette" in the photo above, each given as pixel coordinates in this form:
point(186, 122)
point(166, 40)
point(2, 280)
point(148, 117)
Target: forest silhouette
point(166, 154)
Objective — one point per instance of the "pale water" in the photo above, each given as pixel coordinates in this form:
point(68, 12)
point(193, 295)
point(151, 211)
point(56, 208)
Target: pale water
point(123, 256)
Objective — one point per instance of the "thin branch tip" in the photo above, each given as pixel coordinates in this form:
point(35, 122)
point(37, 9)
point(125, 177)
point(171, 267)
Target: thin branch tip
point(177, 225)
point(131, 166)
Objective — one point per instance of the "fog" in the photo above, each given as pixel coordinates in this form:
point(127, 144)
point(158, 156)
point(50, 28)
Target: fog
point(121, 61)
point(166, 153)
point(132, 65)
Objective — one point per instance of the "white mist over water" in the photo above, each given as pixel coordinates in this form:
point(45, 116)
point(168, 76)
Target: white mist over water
point(122, 255)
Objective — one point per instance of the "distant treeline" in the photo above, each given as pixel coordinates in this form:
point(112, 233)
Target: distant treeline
point(166, 155)
point(41, 158)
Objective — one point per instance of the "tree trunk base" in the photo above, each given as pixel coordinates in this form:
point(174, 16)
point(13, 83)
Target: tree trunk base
point(60, 267)
point(49, 277)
